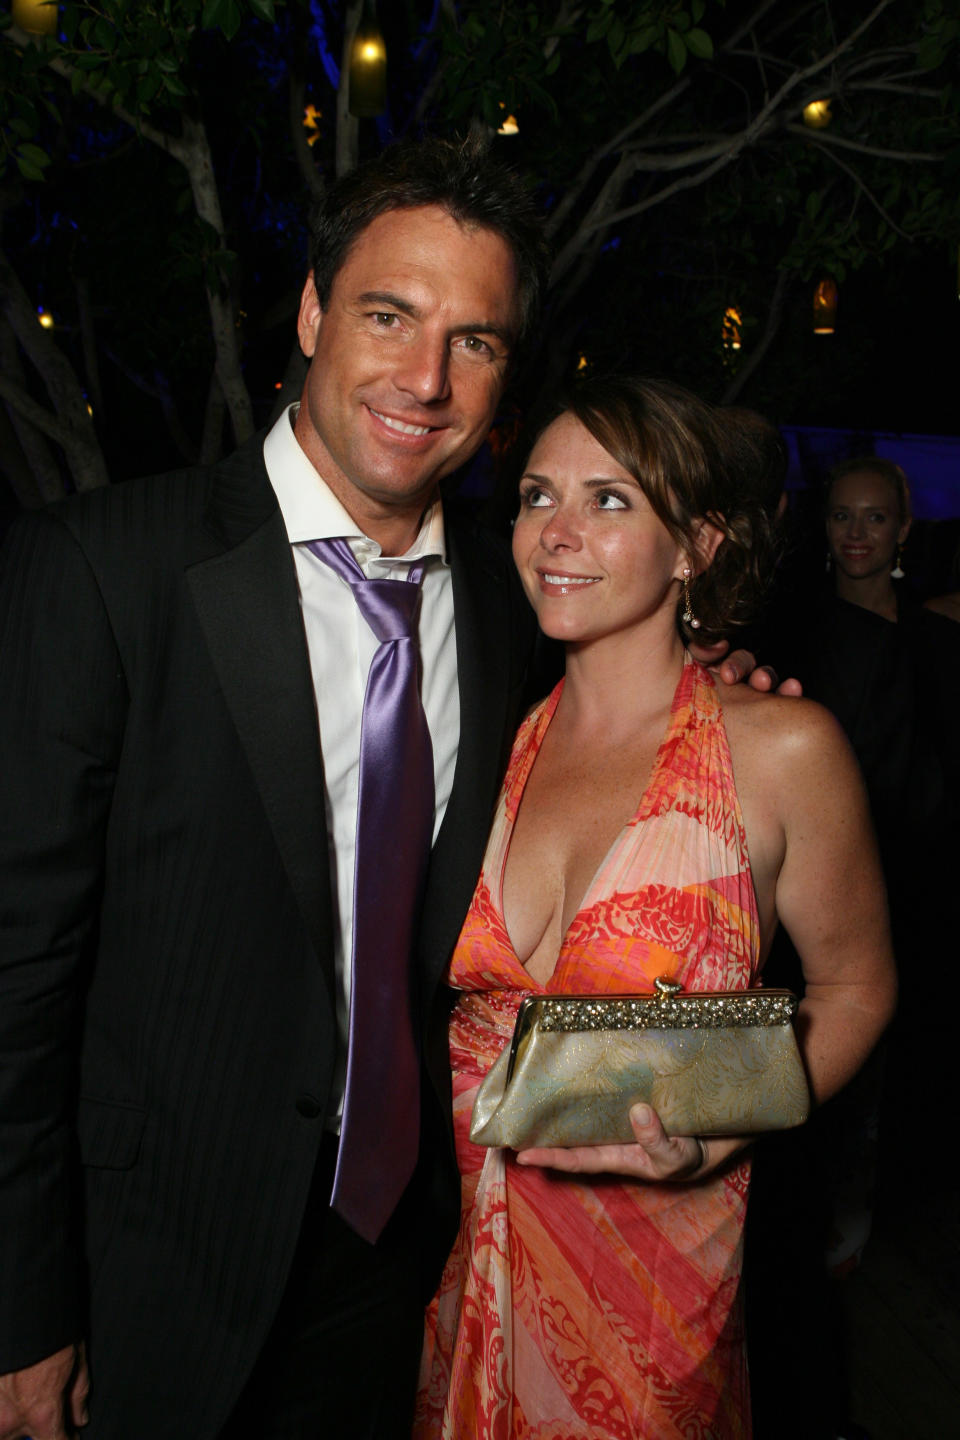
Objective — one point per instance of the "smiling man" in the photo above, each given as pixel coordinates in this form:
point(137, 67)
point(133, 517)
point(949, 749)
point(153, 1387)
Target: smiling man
point(216, 1190)
point(410, 351)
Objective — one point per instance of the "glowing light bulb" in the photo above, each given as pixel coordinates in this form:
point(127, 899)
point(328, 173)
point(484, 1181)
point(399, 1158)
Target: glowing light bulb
point(817, 114)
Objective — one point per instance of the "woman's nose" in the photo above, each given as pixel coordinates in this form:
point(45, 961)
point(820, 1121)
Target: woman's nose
point(559, 531)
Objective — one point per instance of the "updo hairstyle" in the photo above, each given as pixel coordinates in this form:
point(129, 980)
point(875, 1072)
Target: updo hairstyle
point(692, 462)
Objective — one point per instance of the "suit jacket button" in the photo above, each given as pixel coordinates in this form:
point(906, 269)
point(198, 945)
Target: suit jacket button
point(309, 1107)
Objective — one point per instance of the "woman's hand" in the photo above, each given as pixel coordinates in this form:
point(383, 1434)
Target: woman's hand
point(655, 1157)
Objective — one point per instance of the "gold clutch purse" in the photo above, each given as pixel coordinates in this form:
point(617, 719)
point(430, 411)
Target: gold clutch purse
point(709, 1062)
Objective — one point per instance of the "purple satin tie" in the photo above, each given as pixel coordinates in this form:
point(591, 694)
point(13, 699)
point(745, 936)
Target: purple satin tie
point(380, 1131)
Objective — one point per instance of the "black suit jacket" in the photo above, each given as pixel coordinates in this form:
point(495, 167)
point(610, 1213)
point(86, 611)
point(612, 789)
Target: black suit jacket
point(167, 1022)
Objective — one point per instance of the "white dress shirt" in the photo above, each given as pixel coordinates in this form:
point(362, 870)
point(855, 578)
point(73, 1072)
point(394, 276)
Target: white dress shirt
point(341, 646)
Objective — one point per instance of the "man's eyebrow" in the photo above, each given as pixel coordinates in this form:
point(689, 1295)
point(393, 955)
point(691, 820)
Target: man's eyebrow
point(386, 300)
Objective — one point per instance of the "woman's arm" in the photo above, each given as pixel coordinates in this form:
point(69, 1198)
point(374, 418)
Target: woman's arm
point(809, 822)
point(831, 899)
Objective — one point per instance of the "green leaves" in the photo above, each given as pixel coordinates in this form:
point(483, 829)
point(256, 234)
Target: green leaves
point(31, 161)
point(516, 58)
point(222, 15)
point(669, 29)
point(138, 55)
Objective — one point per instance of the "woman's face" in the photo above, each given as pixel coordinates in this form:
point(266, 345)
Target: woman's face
point(593, 557)
point(863, 524)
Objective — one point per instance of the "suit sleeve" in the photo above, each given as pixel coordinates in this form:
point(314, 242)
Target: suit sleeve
point(62, 708)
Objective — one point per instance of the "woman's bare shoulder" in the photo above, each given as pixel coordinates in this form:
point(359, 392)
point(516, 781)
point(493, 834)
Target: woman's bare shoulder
point(779, 730)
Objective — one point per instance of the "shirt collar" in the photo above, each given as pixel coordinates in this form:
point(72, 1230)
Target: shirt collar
point(310, 509)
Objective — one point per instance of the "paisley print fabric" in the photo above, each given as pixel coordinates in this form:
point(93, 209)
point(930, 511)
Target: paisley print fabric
point(601, 1307)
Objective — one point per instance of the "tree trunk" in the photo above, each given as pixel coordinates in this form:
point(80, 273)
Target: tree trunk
point(348, 126)
point(197, 160)
point(25, 457)
point(69, 424)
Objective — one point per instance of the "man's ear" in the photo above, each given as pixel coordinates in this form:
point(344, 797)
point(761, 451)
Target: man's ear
point(309, 317)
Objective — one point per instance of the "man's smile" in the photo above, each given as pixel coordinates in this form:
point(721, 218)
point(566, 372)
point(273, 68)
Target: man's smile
point(400, 425)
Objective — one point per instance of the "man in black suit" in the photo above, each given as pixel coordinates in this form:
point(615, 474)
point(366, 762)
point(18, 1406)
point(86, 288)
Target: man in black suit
point(179, 697)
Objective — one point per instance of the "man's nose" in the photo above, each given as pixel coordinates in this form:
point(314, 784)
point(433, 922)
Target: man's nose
point(424, 369)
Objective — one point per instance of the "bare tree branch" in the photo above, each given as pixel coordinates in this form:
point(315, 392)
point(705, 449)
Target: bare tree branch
point(864, 189)
point(639, 123)
point(38, 415)
point(192, 149)
point(69, 423)
point(297, 96)
point(211, 441)
point(821, 138)
point(161, 138)
point(568, 14)
point(889, 87)
point(26, 457)
point(763, 121)
point(158, 389)
point(348, 126)
point(759, 351)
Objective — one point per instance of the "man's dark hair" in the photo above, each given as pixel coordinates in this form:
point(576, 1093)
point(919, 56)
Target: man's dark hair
point(462, 179)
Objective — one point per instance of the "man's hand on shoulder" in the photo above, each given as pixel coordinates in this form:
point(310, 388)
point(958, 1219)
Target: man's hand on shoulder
point(46, 1401)
point(741, 665)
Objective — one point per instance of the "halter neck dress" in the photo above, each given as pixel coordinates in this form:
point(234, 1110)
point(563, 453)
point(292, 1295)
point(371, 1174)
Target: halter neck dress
point(600, 1307)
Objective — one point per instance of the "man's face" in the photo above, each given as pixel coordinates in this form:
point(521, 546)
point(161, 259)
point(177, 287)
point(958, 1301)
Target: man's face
point(408, 360)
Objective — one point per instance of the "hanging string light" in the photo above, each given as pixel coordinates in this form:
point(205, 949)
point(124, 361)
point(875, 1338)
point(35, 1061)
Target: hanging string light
point(817, 114)
point(368, 66)
point(37, 17)
point(732, 321)
point(311, 123)
point(825, 307)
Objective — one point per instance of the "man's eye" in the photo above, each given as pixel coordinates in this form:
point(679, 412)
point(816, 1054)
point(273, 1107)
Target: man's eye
point(385, 318)
point(474, 345)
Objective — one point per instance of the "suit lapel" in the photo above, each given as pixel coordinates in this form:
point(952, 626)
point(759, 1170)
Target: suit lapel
point(246, 598)
point(492, 640)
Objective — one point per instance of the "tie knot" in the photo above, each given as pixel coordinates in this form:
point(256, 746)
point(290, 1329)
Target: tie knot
point(390, 607)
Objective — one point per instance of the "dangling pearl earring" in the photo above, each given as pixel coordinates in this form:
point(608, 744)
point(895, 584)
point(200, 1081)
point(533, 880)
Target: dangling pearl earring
point(829, 565)
point(897, 573)
point(688, 616)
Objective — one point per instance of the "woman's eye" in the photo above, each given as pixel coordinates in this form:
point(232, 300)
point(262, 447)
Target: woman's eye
point(611, 500)
point(534, 498)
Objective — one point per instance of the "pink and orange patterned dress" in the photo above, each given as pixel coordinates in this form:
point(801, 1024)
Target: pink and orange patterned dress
point(604, 1307)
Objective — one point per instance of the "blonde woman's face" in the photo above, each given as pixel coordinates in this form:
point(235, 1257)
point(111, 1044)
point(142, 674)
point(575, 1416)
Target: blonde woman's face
point(863, 524)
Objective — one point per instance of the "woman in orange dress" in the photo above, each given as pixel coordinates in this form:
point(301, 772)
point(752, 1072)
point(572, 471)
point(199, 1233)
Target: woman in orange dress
point(594, 1292)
